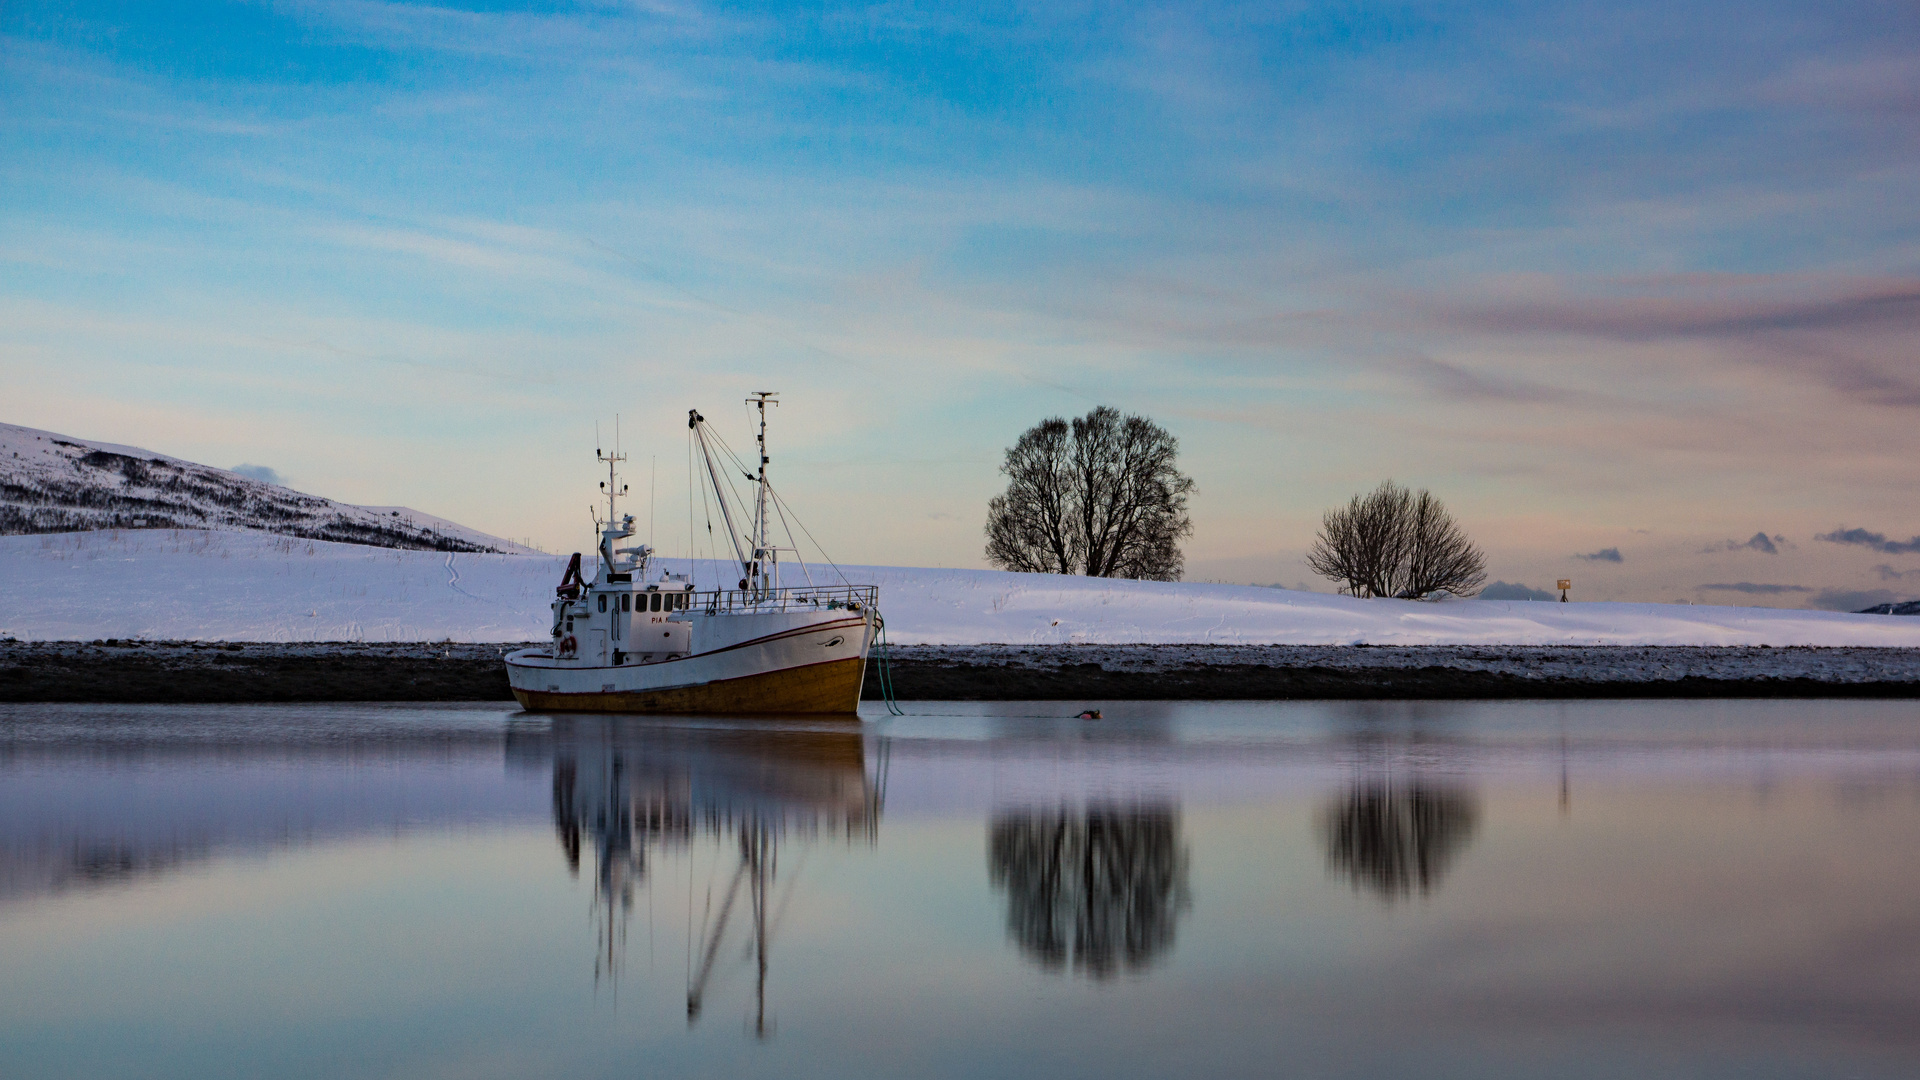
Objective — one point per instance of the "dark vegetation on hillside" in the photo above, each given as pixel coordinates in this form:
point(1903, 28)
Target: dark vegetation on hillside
point(98, 489)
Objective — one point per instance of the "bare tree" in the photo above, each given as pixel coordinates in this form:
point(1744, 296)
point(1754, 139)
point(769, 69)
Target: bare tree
point(1395, 542)
point(1099, 496)
point(1029, 528)
point(1364, 543)
point(1439, 557)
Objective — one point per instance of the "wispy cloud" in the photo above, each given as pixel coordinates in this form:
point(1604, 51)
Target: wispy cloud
point(518, 35)
point(1884, 82)
point(1461, 383)
point(1850, 334)
point(1754, 588)
point(1759, 541)
point(1611, 555)
point(1874, 540)
point(1697, 305)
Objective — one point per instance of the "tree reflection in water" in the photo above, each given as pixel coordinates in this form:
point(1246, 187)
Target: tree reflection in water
point(1098, 890)
point(1393, 838)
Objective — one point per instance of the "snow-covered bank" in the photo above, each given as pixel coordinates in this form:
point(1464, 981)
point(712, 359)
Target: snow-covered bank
point(196, 585)
point(238, 586)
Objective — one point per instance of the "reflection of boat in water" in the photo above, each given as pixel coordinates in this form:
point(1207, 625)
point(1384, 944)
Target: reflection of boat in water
point(623, 788)
point(623, 643)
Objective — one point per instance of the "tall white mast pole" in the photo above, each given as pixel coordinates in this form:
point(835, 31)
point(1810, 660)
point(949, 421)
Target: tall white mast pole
point(613, 493)
point(759, 400)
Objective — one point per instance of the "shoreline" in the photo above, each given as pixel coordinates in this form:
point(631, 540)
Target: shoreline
point(1363, 672)
point(148, 672)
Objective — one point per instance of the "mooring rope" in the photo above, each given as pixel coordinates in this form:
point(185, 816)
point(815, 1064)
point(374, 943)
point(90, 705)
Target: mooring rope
point(886, 669)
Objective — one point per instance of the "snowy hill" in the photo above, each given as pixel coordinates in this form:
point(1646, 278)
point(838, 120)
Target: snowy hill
point(202, 585)
point(1911, 607)
point(54, 483)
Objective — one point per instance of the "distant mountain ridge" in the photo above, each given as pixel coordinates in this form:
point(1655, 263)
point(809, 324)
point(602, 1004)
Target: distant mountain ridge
point(56, 483)
point(1910, 607)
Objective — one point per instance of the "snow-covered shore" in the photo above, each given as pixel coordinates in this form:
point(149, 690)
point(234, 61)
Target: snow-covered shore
point(193, 585)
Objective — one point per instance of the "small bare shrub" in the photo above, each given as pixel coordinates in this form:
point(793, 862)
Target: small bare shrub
point(1396, 542)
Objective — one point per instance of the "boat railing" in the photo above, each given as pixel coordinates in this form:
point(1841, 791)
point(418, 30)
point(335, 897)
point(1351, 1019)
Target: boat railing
point(799, 598)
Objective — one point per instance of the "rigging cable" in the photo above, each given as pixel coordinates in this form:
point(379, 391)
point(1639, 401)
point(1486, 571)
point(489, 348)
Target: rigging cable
point(781, 513)
point(782, 504)
point(703, 431)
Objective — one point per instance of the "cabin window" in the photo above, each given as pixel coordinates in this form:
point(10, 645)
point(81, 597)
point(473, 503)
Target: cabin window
point(626, 602)
point(655, 604)
point(603, 601)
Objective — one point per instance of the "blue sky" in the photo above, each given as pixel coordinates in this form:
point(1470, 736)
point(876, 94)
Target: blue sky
point(1643, 277)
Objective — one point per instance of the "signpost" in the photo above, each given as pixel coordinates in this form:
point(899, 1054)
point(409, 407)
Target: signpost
point(1563, 585)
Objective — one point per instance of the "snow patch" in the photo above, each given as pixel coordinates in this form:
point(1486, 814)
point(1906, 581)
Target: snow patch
point(182, 584)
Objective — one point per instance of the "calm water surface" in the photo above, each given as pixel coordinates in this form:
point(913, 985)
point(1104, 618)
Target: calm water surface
point(1594, 889)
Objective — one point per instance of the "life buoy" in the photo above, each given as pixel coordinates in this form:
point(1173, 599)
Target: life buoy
point(568, 644)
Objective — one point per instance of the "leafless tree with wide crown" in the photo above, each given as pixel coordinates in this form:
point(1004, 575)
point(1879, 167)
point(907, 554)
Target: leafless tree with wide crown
point(1099, 495)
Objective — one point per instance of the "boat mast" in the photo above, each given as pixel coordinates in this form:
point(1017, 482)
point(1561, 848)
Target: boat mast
point(610, 531)
point(611, 487)
point(761, 555)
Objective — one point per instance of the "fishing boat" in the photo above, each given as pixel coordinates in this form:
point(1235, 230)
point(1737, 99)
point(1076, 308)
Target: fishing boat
point(636, 640)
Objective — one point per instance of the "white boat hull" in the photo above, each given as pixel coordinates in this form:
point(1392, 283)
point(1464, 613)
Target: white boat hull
point(773, 662)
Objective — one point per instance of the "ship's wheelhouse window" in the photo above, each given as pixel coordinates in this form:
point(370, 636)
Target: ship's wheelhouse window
point(603, 601)
point(654, 604)
point(626, 602)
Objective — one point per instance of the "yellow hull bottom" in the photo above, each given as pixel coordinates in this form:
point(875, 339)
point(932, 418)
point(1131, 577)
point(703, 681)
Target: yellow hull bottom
point(832, 687)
